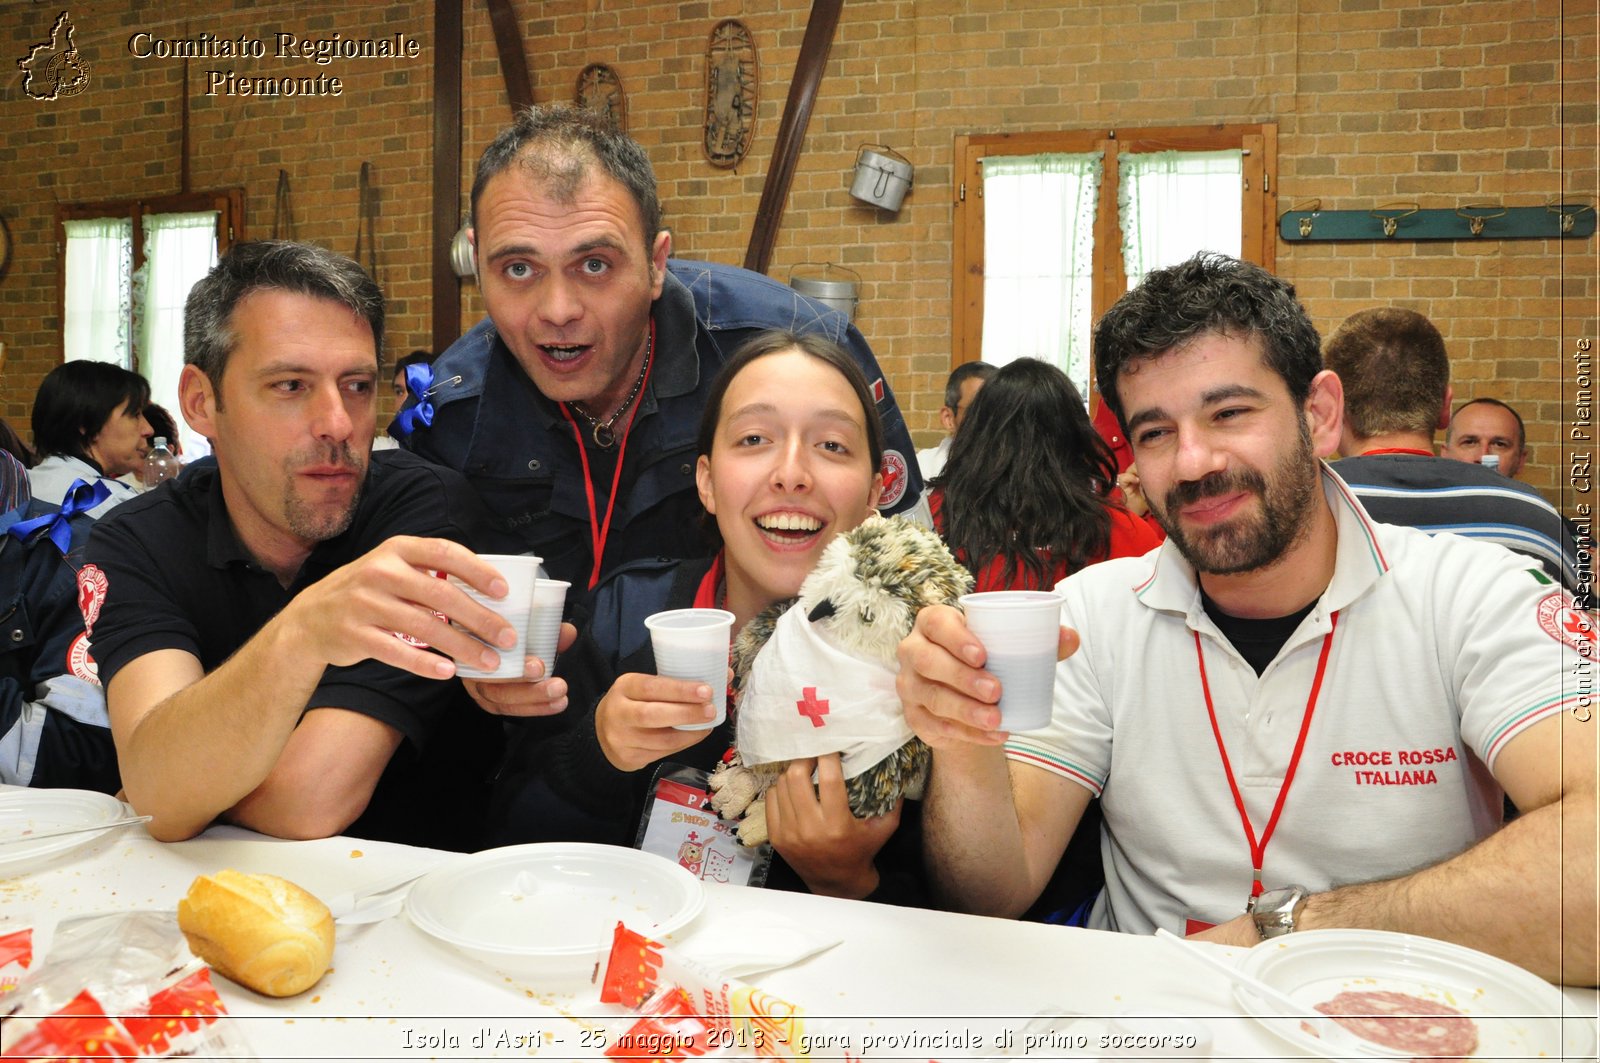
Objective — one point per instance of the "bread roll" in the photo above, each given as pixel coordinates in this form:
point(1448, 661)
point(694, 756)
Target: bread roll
point(261, 931)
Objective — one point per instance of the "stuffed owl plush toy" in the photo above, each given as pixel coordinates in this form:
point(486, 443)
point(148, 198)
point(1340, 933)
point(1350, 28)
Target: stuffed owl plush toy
point(816, 675)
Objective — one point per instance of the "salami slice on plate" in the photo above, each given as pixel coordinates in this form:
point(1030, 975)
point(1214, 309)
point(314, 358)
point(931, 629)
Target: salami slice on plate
point(1410, 997)
point(1405, 1023)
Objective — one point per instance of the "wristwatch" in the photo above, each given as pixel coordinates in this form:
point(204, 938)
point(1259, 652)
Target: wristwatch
point(1275, 911)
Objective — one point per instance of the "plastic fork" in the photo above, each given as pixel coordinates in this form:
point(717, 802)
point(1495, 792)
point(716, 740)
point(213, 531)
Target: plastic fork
point(1336, 1036)
point(376, 901)
point(61, 832)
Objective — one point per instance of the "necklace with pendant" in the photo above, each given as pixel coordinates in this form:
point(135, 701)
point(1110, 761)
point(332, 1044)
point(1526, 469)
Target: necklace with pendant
point(605, 437)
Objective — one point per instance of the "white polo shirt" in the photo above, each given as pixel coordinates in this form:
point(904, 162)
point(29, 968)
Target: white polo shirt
point(1445, 650)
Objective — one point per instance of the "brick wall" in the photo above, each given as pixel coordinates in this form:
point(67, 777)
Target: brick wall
point(121, 137)
point(1441, 102)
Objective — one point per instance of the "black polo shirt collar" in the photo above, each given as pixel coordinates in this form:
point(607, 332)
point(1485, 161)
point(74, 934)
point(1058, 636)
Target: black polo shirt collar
point(224, 547)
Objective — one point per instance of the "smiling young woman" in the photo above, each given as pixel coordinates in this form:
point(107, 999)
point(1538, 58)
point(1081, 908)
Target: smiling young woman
point(790, 448)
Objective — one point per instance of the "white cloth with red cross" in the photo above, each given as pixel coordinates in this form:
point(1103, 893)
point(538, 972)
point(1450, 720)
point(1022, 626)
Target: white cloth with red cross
point(806, 696)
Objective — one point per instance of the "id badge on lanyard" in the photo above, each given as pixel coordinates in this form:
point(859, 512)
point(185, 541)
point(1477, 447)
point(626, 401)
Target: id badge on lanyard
point(680, 824)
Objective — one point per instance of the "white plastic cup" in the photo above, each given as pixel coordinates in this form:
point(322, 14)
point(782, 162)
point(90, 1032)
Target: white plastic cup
point(1020, 631)
point(693, 644)
point(544, 629)
point(516, 608)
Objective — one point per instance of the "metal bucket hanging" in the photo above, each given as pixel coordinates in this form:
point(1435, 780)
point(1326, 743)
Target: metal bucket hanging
point(461, 260)
point(841, 295)
point(882, 177)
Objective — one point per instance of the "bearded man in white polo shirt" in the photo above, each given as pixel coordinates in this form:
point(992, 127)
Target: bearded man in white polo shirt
point(1293, 717)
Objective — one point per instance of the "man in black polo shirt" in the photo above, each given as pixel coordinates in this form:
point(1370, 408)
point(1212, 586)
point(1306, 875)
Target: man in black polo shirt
point(261, 626)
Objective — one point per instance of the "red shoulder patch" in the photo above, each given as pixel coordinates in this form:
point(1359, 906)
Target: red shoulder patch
point(92, 587)
point(1564, 622)
point(79, 663)
point(895, 478)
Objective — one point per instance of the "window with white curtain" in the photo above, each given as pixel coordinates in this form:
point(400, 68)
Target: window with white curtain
point(98, 298)
point(1039, 259)
point(179, 249)
point(1158, 195)
point(129, 267)
point(1174, 203)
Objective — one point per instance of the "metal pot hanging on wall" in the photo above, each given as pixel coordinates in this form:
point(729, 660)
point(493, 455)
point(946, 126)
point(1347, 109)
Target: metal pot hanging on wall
point(882, 177)
point(461, 260)
point(842, 295)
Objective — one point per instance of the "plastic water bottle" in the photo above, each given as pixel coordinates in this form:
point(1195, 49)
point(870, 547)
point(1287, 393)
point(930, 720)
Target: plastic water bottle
point(1490, 462)
point(160, 464)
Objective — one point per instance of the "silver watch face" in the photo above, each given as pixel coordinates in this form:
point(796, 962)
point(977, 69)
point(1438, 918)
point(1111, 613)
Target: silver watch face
point(1275, 910)
point(1273, 901)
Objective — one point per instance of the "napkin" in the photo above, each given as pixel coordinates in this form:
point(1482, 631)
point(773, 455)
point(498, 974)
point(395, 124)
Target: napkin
point(764, 943)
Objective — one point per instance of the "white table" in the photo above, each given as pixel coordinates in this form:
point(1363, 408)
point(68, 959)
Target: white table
point(395, 994)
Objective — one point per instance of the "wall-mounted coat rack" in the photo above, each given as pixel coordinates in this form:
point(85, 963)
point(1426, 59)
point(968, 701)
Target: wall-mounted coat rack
point(1309, 223)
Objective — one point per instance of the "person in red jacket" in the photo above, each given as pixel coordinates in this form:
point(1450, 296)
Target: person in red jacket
point(1028, 495)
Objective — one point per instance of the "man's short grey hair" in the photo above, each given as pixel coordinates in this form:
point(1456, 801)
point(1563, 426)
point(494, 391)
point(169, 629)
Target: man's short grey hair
point(275, 265)
point(560, 147)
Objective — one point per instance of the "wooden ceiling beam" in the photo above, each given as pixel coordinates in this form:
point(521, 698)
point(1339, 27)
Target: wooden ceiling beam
point(820, 27)
point(513, 59)
point(446, 170)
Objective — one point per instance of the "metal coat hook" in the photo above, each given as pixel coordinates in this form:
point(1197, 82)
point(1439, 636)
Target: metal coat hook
point(1569, 218)
point(1475, 221)
point(1391, 222)
point(1313, 208)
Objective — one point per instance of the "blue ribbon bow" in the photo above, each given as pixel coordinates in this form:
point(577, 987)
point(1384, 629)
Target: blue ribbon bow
point(81, 497)
point(419, 382)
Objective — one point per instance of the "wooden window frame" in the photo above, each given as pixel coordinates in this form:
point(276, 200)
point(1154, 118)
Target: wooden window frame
point(227, 202)
point(1259, 201)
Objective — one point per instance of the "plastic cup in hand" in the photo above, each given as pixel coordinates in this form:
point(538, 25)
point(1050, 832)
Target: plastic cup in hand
point(693, 644)
point(544, 630)
point(519, 571)
point(1020, 631)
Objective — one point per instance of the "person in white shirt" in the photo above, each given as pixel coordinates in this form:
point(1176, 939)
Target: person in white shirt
point(88, 424)
point(1294, 717)
point(959, 390)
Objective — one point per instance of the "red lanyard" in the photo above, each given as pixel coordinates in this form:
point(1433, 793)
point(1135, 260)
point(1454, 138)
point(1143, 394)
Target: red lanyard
point(705, 595)
point(1258, 849)
point(1397, 450)
point(598, 531)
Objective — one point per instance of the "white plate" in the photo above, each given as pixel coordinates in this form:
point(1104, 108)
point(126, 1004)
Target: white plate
point(1518, 1014)
point(42, 810)
point(548, 911)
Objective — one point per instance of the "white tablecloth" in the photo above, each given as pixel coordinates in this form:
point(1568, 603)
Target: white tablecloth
point(395, 994)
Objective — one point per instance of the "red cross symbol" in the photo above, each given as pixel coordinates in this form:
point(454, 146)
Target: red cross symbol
point(812, 707)
point(1577, 623)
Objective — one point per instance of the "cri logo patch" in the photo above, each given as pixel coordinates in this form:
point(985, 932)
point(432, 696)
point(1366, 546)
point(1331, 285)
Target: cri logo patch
point(79, 663)
point(894, 478)
point(1563, 622)
point(92, 586)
